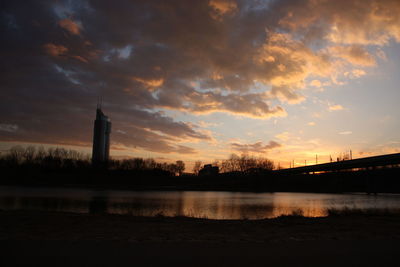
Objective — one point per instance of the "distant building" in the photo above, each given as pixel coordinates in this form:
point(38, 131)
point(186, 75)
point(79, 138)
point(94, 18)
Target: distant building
point(101, 138)
point(208, 169)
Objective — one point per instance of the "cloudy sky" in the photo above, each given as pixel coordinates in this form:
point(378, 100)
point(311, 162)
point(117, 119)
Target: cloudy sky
point(199, 80)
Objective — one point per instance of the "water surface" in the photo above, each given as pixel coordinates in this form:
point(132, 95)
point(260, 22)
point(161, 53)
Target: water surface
point(212, 205)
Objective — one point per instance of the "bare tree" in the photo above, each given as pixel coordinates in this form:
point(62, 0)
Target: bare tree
point(197, 167)
point(265, 164)
point(180, 167)
point(40, 154)
point(29, 154)
point(245, 163)
point(231, 164)
point(150, 163)
point(16, 154)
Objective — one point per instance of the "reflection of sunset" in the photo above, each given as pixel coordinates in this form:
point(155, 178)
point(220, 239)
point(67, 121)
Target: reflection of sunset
point(287, 205)
point(228, 205)
point(210, 205)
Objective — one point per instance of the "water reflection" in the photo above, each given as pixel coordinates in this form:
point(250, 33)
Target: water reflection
point(44, 203)
point(213, 205)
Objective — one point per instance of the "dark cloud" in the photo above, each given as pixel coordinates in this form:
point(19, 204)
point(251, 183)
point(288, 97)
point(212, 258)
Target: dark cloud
point(141, 56)
point(257, 147)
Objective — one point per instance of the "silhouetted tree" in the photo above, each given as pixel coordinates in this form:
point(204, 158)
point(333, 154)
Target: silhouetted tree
point(197, 167)
point(50, 158)
point(29, 154)
point(180, 167)
point(244, 163)
point(150, 163)
point(15, 155)
point(231, 164)
point(265, 164)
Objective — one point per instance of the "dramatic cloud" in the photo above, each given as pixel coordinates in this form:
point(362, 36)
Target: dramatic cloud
point(287, 63)
point(146, 58)
point(362, 22)
point(70, 26)
point(257, 147)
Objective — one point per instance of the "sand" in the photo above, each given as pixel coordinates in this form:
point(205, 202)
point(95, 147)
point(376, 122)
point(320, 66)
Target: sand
point(66, 239)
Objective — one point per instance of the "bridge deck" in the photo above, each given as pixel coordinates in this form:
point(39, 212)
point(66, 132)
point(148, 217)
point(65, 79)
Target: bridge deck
point(384, 160)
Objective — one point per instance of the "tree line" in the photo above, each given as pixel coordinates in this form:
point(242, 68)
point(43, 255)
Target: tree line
point(48, 158)
point(176, 168)
point(61, 158)
point(244, 164)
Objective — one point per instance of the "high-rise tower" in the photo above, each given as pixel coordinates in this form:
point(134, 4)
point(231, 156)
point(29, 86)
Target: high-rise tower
point(101, 138)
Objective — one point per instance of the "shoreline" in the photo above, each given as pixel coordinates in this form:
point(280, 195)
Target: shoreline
point(41, 225)
point(368, 181)
point(180, 189)
point(68, 239)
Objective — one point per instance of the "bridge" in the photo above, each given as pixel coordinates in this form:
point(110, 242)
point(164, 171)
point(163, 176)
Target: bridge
point(361, 163)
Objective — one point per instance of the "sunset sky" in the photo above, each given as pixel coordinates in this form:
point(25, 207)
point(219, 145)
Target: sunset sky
point(199, 80)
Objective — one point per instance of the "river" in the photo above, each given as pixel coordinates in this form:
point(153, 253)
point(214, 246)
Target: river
point(197, 204)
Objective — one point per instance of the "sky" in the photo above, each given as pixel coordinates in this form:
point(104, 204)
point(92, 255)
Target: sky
point(199, 80)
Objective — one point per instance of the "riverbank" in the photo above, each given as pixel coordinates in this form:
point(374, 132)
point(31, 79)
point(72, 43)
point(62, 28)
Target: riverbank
point(67, 239)
point(35, 225)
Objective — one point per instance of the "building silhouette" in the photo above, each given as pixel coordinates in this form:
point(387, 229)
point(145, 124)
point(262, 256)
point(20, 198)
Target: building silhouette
point(209, 169)
point(101, 138)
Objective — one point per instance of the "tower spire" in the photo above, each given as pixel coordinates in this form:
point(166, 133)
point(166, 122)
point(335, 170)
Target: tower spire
point(99, 102)
point(101, 136)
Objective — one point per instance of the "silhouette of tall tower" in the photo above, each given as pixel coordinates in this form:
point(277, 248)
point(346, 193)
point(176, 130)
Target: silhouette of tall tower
point(101, 138)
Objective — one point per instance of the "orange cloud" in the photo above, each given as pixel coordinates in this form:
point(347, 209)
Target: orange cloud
point(55, 50)
point(356, 73)
point(316, 83)
point(80, 58)
point(292, 63)
point(151, 84)
point(222, 7)
point(336, 107)
point(71, 26)
point(362, 22)
point(354, 54)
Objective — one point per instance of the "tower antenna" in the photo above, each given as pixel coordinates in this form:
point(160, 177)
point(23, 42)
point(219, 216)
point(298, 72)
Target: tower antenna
point(99, 102)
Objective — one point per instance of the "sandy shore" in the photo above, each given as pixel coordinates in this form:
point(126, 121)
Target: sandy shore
point(42, 238)
point(31, 225)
